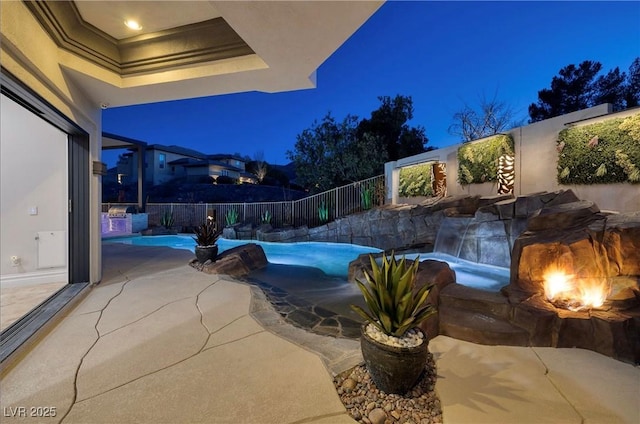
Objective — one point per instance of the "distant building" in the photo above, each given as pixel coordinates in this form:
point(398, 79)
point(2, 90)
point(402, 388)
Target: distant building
point(166, 163)
point(214, 166)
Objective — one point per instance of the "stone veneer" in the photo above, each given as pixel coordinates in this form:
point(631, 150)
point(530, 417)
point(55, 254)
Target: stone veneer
point(387, 227)
point(527, 232)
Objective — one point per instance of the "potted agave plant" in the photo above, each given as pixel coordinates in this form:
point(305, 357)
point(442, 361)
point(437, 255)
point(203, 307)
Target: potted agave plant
point(393, 345)
point(206, 237)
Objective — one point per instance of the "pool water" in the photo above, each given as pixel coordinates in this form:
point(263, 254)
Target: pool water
point(471, 274)
point(332, 258)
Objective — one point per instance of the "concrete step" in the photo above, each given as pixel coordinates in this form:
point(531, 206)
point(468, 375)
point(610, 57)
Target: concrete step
point(469, 299)
point(477, 327)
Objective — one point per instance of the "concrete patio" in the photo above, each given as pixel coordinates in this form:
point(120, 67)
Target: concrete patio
point(158, 342)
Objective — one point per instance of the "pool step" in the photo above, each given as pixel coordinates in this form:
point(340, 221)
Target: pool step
point(469, 299)
point(480, 328)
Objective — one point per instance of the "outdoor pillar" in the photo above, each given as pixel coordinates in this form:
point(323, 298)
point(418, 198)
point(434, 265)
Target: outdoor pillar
point(392, 181)
point(142, 192)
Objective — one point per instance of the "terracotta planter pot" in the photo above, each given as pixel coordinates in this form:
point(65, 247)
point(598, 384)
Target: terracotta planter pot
point(393, 369)
point(205, 253)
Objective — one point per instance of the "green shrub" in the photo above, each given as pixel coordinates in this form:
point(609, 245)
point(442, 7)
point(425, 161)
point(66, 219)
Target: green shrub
point(367, 191)
point(478, 161)
point(265, 217)
point(601, 153)
point(416, 181)
point(167, 220)
point(225, 179)
point(231, 217)
point(323, 212)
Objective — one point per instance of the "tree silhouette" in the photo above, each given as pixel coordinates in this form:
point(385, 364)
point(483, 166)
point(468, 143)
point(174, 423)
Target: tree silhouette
point(492, 117)
point(389, 124)
point(580, 87)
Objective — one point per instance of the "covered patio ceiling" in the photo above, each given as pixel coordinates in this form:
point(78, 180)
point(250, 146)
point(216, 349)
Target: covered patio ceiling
point(189, 49)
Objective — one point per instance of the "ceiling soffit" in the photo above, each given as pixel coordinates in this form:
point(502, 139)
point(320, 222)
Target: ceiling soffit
point(200, 42)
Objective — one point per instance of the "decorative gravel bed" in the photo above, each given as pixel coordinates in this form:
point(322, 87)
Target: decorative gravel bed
point(367, 404)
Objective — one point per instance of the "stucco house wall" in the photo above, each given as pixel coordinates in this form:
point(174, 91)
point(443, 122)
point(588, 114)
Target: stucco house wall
point(536, 160)
point(155, 174)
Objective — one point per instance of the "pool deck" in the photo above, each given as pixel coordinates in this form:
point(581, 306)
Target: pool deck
point(158, 342)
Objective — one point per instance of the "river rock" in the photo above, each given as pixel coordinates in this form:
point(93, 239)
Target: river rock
point(377, 416)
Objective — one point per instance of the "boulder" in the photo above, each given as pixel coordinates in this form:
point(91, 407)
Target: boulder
point(526, 205)
point(622, 242)
point(566, 215)
point(236, 262)
point(582, 245)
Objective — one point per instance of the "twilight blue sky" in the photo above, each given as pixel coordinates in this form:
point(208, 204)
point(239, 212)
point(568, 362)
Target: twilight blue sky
point(442, 54)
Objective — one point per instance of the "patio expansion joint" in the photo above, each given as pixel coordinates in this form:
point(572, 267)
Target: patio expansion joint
point(203, 348)
point(555, 386)
point(143, 317)
point(210, 331)
point(82, 359)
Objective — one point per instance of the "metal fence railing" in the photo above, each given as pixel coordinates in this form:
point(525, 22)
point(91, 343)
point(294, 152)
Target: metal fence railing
point(312, 211)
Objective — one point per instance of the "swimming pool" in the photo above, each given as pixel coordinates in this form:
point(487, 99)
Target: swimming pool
point(471, 274)
point(332, 258)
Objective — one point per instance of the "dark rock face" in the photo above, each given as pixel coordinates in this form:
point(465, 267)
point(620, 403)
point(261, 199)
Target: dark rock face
point(564, 216)
point(236, 262)
point(586, 246)
point(545, 229)
point(390, 226)
point(577, 238)
point(531, 233)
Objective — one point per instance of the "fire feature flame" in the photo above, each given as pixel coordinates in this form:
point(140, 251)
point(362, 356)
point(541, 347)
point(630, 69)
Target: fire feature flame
point(568, 291)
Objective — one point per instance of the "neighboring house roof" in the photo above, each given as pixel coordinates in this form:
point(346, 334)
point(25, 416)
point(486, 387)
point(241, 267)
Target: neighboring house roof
point(223, 157)
point(183, 161)
point(177, 150)
point(213, 162)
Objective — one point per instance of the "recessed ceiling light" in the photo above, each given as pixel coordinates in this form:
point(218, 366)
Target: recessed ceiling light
point(130, 23)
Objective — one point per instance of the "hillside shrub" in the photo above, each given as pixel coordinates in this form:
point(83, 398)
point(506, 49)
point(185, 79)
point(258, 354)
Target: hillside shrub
point(224, 179)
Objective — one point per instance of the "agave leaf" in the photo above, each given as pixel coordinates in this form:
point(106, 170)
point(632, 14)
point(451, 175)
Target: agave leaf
point(389, 295)
point(396, 275)
point(370, 299)
point(424, 314)
point(364, 314)
point(375, 269)
point(404, 326)
point(385, 320)
point(403, 307)
point(420, 298)
point(405, 283)
point(367, 317)
point(385, 273)
point(386, 302)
